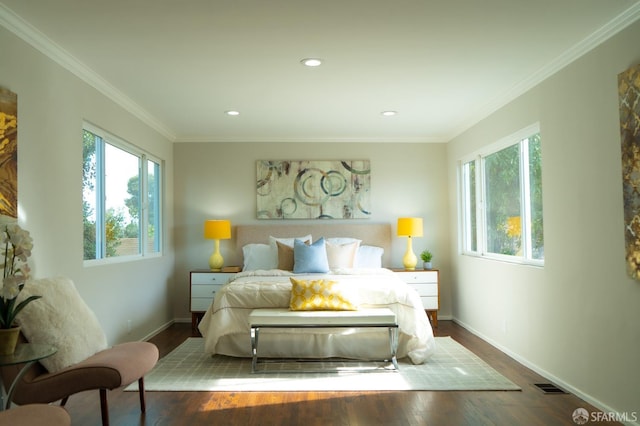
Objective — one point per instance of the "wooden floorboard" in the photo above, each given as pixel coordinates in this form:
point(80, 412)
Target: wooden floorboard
point(527, 407)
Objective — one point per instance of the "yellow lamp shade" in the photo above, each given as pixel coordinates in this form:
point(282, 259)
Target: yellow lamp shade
point(217, 229)
point(410, 227)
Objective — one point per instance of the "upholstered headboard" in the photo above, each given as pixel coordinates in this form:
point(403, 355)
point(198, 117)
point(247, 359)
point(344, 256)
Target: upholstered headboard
point(373, 234)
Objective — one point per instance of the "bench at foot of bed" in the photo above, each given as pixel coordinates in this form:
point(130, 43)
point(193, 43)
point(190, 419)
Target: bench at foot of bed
point(285, 318)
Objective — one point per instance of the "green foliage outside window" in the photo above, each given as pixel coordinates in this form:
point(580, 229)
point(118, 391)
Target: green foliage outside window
point(119, 223)
point(511, 194)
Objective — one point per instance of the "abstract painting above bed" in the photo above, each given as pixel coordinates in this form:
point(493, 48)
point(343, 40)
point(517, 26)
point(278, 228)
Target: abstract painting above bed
point(313, 189)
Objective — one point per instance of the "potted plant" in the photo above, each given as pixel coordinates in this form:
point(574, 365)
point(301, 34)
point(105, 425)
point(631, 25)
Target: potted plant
point(17, 249)
point(426, 257)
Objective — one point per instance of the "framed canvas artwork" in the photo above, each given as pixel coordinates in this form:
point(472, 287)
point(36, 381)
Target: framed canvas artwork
point(629, 98)
point(337, 189)
point(8, 155)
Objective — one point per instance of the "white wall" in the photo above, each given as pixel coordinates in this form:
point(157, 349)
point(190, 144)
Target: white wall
point(578, 318)
point(52, 104)
point(219, 181)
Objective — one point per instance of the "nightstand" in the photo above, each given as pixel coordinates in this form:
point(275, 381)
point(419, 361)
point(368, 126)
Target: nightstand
point(427, 284)
point(204, 285)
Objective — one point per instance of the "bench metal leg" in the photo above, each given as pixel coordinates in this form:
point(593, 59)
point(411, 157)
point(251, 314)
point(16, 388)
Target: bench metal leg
point(254, 348)
point(393, 341)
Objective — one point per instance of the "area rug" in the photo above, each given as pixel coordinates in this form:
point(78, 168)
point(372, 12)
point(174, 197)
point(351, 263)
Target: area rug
point(452, 367)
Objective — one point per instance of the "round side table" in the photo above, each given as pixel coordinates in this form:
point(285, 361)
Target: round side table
point(27, 354)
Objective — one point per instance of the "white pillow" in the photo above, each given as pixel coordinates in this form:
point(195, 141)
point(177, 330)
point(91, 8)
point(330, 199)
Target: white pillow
point(342, 255)
point(369, 257)
point(62, 319)
point(258, 256)
point(342, 240)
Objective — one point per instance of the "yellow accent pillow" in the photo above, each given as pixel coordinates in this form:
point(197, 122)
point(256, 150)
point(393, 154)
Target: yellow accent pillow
point(320, 295)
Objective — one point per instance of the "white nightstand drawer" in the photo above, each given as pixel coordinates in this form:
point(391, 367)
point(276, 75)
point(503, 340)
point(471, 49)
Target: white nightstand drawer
point(426, 289)
point(425, 283)
point(200, 304)
point(430, 303)
point(205, 290)
point(199, 278)
point(419, 277)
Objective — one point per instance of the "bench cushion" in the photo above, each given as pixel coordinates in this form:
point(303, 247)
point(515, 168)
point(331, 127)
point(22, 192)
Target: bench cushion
point(284, 317)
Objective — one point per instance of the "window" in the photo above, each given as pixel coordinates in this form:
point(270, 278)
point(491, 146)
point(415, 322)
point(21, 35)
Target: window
point(501, 200)
point(120, 198)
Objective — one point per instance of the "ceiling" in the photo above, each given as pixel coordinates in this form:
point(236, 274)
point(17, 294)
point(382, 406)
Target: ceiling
point(442, 65)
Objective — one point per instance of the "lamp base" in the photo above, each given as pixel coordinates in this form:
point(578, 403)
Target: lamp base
point(409, 260)
point(216, 261)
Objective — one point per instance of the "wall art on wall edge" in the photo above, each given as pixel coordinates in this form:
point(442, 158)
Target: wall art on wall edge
point(8, 156)
point(629, 103)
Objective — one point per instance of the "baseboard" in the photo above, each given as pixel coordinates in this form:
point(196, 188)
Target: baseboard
point(567, 386)
point(158, 330)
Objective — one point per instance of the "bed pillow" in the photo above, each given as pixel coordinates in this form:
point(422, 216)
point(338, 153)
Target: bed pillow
point(342, 255)
point(258, 256)
point(283, 257)
point(287, 241)
point(342, 240)
point(61, 319)
point(310, 259)
point(369, 257)
point(321, 295)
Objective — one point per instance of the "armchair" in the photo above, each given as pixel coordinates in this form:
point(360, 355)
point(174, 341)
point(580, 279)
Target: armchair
point(82, 362)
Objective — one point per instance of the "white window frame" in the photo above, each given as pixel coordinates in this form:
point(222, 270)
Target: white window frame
point(143, 158)
point(464, 227)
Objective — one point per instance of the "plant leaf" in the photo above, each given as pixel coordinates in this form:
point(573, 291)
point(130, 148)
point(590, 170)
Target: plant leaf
point(12, 313)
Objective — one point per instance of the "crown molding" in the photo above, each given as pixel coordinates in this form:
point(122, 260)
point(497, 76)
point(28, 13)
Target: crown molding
point(602, 34)
point(32, 36)
point(288, 139)
point(49, 48)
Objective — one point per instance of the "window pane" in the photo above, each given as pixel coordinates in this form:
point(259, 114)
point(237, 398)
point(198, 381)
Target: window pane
point(535, 190)
point(503, 203)
point(122, 202)
point(89, 193)
point(153, 196)
point(470, 225)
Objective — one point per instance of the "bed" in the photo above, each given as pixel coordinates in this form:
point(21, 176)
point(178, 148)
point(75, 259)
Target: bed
point(355, 256)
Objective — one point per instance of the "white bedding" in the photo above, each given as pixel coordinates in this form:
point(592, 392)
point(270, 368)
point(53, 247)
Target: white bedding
point(225, 326)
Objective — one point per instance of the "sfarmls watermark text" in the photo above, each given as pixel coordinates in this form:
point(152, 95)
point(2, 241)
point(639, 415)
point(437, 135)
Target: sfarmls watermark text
point(581, 416)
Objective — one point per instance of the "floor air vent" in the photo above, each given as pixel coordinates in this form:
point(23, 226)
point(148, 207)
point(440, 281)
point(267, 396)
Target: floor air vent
point(550, 388)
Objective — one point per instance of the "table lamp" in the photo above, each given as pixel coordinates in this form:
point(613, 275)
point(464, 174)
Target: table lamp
point(409, 227)
point(217, 230)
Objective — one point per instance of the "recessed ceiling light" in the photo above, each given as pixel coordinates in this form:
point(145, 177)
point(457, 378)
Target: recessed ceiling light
point(232, 112)
point(311, 62)
point(389, 113)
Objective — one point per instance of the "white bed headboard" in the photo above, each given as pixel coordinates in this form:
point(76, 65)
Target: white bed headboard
point(372, 234)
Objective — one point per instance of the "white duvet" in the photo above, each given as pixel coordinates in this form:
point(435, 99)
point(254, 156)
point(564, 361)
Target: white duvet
point(225, 325)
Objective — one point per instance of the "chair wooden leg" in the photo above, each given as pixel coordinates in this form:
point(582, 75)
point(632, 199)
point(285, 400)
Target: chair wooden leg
point(143, 405)
point(104, 407)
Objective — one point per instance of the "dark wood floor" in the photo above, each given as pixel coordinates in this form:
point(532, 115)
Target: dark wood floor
point(527, 407)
